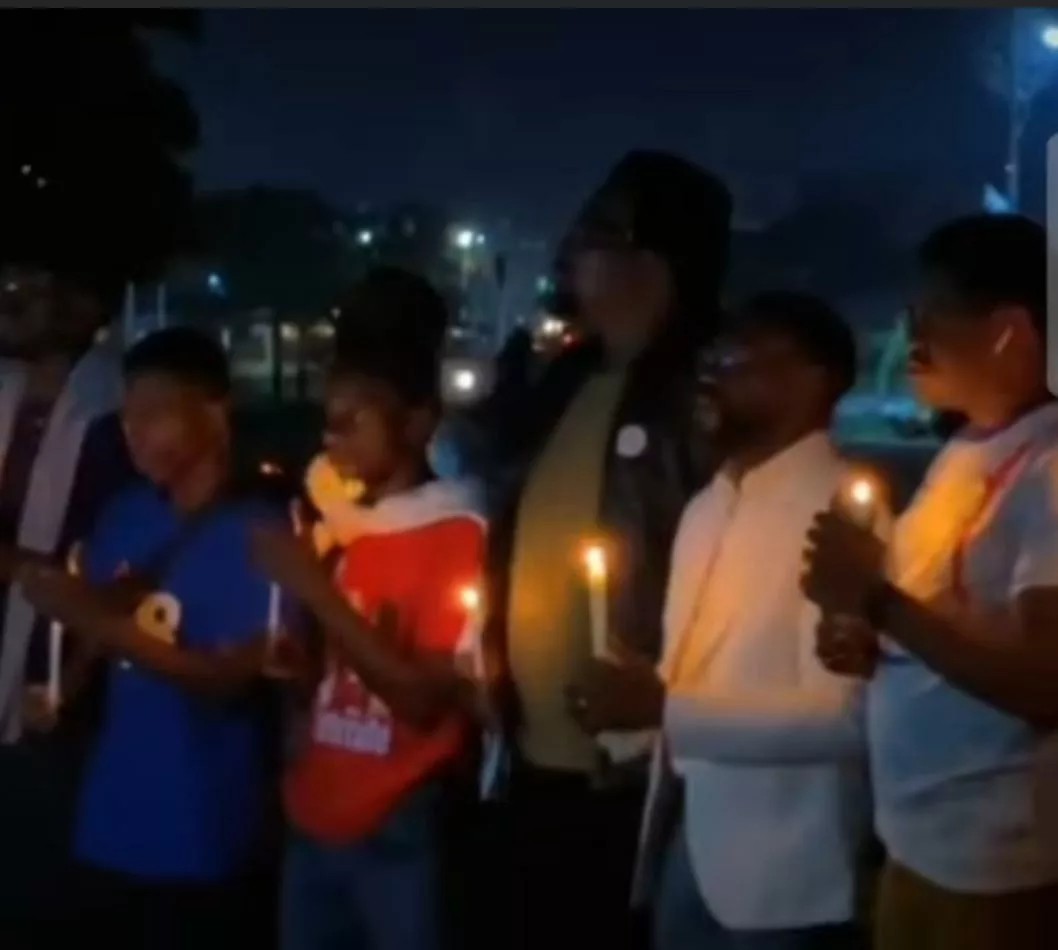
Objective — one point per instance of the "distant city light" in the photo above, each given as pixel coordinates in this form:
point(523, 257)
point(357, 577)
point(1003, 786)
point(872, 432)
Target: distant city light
point(27, 169)
point(1049, 35)
point(336, 312)
point(365, 237)
point(479, 239)
point(42, 182)
point(465, 380)
point(552, 327)
point(543, 285)
point(214, 283)
point(465, 239)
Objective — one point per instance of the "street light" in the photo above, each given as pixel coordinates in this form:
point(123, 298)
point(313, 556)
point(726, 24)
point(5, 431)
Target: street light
point(1027, 68)
point(465, 238)
point(364, 238)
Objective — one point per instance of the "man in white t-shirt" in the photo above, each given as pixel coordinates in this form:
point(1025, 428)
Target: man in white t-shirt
point(963, 700)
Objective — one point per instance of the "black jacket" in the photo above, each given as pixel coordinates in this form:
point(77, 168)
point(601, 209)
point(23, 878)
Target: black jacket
point(643, 496)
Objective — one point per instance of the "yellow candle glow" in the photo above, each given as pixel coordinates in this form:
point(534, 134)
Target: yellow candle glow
point(595, 563)
point(861, 497)
point(595, 570)
point(470, 598)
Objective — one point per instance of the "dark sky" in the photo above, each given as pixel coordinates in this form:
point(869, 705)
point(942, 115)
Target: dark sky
point(517, 113)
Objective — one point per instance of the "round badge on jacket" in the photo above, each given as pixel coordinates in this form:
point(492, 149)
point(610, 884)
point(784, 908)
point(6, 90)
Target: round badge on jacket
point(631, 441)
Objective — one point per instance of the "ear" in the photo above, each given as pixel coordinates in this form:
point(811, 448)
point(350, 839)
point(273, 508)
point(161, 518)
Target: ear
point(420, 425)
point(217, 417)
point(1013, 323)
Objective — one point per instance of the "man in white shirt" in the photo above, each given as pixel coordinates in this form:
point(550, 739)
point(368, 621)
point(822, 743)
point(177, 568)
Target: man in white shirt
point(769, 745)
point(963, 701)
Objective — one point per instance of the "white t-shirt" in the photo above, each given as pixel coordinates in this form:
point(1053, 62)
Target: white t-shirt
point(965, 792)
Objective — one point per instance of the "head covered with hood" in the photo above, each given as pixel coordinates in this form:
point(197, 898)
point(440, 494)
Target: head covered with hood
point(655, 236)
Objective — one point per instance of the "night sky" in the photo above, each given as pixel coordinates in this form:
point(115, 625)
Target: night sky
point(518, 113)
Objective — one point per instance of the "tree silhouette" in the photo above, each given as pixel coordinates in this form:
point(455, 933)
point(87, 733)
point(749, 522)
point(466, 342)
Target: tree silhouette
point(93, 141)
point(283, 249)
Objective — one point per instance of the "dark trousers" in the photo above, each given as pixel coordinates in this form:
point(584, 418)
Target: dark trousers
point(121, 912)
point(573, 849)
point(38, 789)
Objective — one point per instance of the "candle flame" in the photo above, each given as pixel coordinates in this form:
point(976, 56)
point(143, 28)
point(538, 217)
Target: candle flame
point(595, 562)
point(470, 598)
point(861, 492)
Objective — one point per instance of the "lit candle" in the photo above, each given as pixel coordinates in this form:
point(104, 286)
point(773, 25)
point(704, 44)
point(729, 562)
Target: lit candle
point(861, 501)
point(471, 601)
point(595, 569)
point(55, 638)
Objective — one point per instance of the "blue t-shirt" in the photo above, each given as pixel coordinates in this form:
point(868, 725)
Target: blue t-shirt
point(175, 787)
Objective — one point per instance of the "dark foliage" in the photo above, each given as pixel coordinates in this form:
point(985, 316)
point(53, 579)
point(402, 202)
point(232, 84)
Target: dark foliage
point(93, 140)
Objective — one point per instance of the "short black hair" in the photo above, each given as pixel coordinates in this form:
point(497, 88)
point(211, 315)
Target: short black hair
point(991, 260)
point(184, 354)
point(392, 327)
point(811, 324)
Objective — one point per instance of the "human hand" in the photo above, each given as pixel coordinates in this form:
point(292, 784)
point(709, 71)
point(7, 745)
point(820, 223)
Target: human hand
point(623, 695)
point(847, 645)
point(287, 560)
point(39, 713)
point(244, 660)
point(55, 593)
point(843, 564)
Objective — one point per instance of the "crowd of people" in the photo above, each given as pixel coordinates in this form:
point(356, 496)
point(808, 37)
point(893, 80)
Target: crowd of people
point(660, 669)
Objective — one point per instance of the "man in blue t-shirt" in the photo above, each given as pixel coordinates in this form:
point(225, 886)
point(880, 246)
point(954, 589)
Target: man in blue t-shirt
point(173, 798)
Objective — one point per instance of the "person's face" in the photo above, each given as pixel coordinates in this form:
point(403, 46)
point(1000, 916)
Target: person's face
point(622, 294)
point(958, 355)
point(755, 386)
point(170, 426)
point(28, 312)
point(369, 432)
point(40, 315)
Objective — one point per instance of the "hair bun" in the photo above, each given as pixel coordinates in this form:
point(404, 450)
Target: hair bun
point(391, 307)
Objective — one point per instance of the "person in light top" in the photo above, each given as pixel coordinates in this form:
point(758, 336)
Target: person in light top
point(963, 696)
point(390, 721)
point(759, 848)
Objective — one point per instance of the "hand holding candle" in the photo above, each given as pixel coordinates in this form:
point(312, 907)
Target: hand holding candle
point(861, 501)
point(55, 637)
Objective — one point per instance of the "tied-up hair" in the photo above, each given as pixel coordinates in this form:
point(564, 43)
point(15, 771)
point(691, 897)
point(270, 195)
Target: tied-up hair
point(392, 327)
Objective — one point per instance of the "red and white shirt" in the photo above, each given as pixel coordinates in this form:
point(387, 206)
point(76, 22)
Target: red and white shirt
point(416, 555)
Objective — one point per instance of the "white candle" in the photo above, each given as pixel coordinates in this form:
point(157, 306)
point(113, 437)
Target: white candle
point(55, 638)
point(274, 622)
point(470, 598)
point(595, 569)
point(54, 689)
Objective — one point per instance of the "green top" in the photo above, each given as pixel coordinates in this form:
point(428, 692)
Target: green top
point(548, 620)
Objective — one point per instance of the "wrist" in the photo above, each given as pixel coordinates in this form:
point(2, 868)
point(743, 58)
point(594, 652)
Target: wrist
point(879, 604)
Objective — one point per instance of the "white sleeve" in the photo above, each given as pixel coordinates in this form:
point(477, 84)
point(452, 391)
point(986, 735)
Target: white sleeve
point(1036, 561)
point(819, 719)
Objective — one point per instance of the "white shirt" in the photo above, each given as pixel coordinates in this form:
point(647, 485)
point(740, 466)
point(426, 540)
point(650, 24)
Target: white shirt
point(964, 791)
point(770, 745)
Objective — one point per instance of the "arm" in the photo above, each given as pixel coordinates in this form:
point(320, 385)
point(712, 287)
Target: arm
point(1006, 656)
point(820, 719)
point(84, 611)
point(1008, 659)
point(420, 688)
point(222, 674)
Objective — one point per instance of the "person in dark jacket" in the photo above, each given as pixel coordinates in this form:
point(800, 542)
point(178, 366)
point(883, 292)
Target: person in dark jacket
point(63, 457)
point(608, 449)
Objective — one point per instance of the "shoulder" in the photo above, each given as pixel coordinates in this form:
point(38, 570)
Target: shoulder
point(135, 504)
point(1037, 490)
